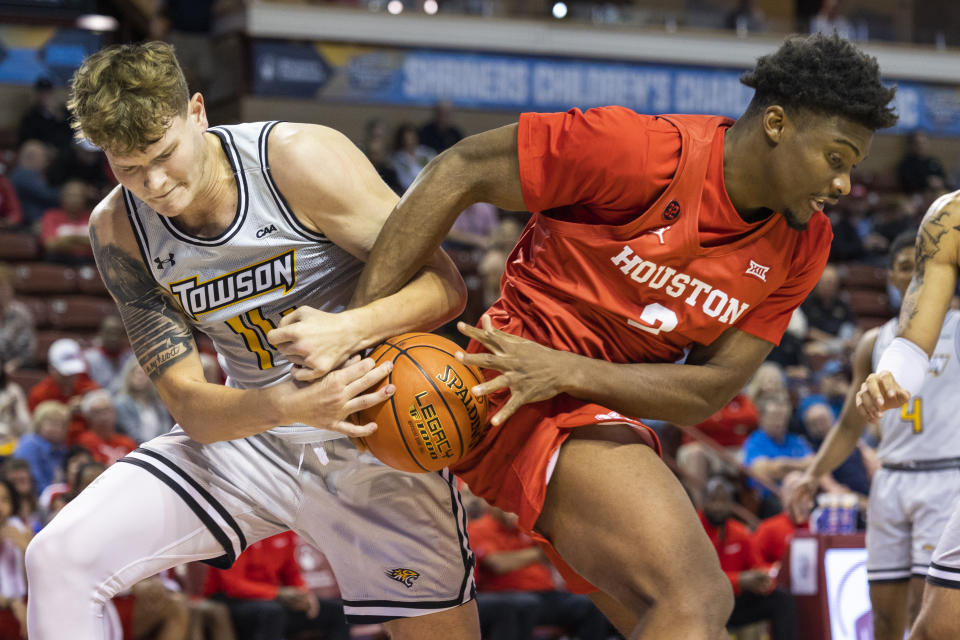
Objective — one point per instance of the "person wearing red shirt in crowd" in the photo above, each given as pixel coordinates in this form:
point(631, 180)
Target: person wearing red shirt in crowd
point(67, 383)
point(101, 437)
point(728, 428)
point(654, 240)
point(516, 588)
point(11, 215)
point(756, 594)
point(64, 231)
point(267, 597)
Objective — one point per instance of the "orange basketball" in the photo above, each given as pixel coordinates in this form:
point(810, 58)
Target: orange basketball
point(433, 419)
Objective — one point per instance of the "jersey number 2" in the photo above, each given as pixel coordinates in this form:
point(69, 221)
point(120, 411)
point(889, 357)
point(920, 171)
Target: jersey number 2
point(655, 318)
point(912, 411)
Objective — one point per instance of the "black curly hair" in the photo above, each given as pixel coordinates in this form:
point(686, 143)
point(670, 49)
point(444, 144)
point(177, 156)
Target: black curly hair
point(822, 74)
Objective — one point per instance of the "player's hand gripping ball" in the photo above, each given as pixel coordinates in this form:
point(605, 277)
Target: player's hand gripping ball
point(433, 419)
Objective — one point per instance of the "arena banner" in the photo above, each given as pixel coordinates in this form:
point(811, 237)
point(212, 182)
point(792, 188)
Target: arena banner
point(393, 75)
point(31, 52)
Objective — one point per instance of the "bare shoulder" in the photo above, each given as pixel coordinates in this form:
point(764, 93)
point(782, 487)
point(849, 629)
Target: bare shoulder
point(110, 224)
point(302, 149)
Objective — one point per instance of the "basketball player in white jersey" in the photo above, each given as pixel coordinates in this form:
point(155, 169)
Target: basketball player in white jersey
point(227, 230)
point(901, 374)
point(920, 472)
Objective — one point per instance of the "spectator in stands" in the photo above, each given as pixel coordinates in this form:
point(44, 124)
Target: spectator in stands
point(849, 225)
point(516, 589)
point(11, 215)
point(29, 178)
point(109, 354)
point(768, 381)
point(440, 133)
point(266, 595)
point(17, 473)
point(67, 382)
point(830, 20)
point(494, 261)
point(773, 535)
point(18, 335)
point(855, 473)
point(409, 156)
point(832, 325)
point(728, 429)
point(44, 449)
point(101, 436)
point(190, 22)
point(58, 493)
point(789, 354)
point(756, 594)
point(83, 161)
point(154, 610)
point(746, 18)
point(918, 169)
point(46, 119)
point(375, 147)
point(14, 415)
point(834, 381)
point(770, 453)
point(14, 537)
point(141, 413)
point(64, 230)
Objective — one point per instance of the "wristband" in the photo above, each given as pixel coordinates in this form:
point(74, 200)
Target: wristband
point(907, 362)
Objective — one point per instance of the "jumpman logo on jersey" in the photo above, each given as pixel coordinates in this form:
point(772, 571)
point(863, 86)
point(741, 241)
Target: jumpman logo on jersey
point(659, 232)
point(163, 263)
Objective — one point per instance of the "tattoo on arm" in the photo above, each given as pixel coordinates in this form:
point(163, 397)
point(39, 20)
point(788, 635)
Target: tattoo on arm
point(158, 332)
point(933, 233)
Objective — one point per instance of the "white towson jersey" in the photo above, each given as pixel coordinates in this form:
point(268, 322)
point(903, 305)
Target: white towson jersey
point(237, 286)
point(926, 427)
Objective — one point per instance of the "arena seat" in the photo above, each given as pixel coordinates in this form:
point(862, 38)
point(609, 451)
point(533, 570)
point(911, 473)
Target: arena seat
point(89, 281)
point(39, 309)
point(856, 275)
point(44, 277)
point(79, 312)
point(18, 245)
point(865, 302)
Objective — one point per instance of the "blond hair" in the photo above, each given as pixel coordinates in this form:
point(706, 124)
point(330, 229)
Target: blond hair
point(49, 409)
point(124, 97)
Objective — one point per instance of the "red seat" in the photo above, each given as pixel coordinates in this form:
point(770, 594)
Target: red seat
point(89, 282)
point(38, 308)
point(44, 277)
point(47, 337)
point(79, 312)
point(16, 245)
point(28, 378)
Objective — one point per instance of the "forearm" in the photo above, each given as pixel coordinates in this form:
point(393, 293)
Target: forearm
point(212, 412)
point(839, 444)
point(507, 561)
point(435, 296)
point(682, 394)
point(417, 226)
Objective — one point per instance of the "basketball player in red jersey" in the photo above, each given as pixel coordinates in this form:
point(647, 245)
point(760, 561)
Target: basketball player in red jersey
point(654, 240)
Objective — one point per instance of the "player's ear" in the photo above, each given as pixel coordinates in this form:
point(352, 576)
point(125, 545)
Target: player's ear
point(196, 110)
point(774, 122)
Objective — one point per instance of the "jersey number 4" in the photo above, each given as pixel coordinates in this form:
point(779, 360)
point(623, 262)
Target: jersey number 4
point(912, 411)
point(655, 318)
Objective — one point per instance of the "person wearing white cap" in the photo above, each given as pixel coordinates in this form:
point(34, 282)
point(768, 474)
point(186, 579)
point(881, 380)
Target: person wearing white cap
point(67, 383)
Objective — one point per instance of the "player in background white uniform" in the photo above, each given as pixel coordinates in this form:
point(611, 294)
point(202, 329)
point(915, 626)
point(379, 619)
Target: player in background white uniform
point(234, 231)
point(920, 472)
point(901, 373)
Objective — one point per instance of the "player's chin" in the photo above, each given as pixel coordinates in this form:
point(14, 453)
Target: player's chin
point(795, 221)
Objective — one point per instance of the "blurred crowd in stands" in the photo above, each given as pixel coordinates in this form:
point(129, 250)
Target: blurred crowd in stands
point(73, 400)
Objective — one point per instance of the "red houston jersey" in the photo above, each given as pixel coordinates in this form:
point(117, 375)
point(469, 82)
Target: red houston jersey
point(636, 251)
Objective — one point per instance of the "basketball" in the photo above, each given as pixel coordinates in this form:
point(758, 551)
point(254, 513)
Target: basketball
point(433, 419)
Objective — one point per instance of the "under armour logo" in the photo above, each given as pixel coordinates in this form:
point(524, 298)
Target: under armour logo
point(757, 270)
point(659, 232)
point(164, 263)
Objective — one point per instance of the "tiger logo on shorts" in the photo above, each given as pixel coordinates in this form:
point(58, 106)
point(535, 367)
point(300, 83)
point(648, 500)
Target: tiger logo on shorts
point(406, 576)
